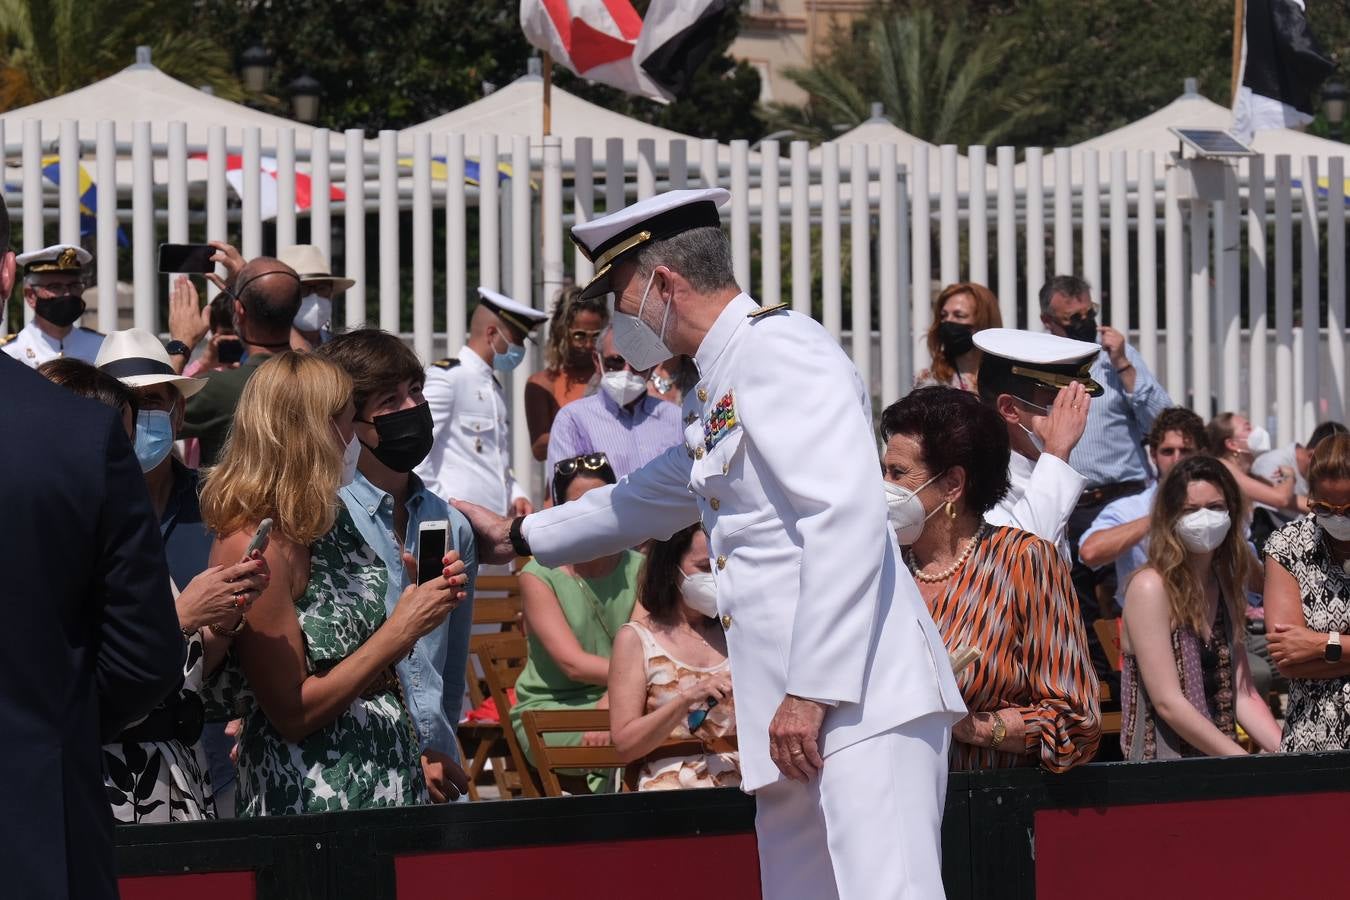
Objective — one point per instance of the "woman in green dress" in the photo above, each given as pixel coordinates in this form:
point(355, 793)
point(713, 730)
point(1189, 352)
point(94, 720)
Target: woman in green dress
point(572, 614)
point(325, 724)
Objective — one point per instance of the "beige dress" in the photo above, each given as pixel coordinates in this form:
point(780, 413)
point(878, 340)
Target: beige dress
point(666, 677)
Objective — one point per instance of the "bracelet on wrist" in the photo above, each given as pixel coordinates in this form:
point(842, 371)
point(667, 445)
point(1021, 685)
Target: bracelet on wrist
point(1125, 368)
point(229, 632)
point(519, 545)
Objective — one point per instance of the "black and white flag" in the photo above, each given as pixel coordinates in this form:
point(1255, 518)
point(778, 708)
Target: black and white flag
point(1282, 67)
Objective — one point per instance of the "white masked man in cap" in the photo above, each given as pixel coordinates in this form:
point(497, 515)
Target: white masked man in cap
point(53, 281)
point(844, 693)
point(318, 288)
point(471, 457)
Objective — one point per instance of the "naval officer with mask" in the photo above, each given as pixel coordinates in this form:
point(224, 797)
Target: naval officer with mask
point(53, 282)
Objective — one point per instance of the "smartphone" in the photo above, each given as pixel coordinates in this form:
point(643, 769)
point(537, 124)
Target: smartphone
point(259, 541)
point(190, 258)
point(431, 549)
point(229, 351)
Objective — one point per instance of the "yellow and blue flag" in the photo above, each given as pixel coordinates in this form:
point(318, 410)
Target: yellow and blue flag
point(51, 168)
point(440, 170)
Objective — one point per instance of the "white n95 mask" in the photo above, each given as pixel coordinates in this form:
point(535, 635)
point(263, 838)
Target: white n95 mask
point(315, 313)
point(699, 591)
point(905, 511)
point(1203, 530)
point(635, 340)
point(1258, 441)
point(623, 387)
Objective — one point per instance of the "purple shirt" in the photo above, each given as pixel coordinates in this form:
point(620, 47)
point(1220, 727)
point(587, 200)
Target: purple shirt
point(596, 424)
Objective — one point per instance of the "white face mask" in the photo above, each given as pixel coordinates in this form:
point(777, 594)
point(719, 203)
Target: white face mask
point(623, 387)
point(1258, 441)
point(699, 591)
point(635, 340)
point(315, 314)
point(905, 511)
point(351, 454)
point(1203, 530)
point(1035, 438)
point(1336, 527)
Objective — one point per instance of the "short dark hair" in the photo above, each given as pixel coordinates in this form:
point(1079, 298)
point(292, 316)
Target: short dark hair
point(954, 428)
point(1324, 431)
point(376, 361)
point(221, 315)
point(79, 377)
point(1179, 419)
point(1068, 285)
point(562, 482)
point(659, 582)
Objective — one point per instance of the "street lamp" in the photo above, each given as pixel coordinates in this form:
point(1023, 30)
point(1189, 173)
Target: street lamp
point(1333, 105)
point(305, 92)
point(255, 66)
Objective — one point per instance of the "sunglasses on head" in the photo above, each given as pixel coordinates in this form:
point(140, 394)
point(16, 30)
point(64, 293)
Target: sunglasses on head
point(589, 462)
point(1322, 508)
point(699, 716)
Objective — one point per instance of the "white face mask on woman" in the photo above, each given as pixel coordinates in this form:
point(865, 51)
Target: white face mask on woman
point(351, 454)
point(1203, 530)
point(1258, 441)
point(906, 512)
point(699, 590)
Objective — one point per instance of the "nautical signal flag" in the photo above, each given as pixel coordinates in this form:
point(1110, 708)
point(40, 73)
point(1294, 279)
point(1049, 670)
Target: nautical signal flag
point(1282, 67)
point(606, 41)
point(440, 169)
point(51, 169)
point(267, 166)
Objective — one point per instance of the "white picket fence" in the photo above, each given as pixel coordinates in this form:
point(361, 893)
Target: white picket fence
point(998, 223)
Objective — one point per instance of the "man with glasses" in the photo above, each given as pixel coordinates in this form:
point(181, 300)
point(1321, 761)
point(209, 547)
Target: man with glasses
point(53, 283)
point(621, 419)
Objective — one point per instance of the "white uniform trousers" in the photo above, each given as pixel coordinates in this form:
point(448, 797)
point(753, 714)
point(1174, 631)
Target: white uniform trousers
point(869, 828)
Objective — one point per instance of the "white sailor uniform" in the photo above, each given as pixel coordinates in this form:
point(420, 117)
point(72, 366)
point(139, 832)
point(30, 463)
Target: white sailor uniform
point(33, 346)
point(779, 465)
point(470, 458)
point(1041, 497)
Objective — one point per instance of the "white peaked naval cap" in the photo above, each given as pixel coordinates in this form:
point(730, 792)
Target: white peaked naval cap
point(1037, 358)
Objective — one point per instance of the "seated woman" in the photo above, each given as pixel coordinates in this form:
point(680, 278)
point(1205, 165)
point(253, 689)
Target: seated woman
point(325, 723)
point(1032, 693)
point(669, 676)
point(572, 615)
point(1308, 605)
point(959, 311)
point(1234, 441)
point(1185, 682)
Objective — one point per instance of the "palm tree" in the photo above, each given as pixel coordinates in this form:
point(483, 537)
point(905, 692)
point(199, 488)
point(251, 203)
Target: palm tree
point(935, 80)
point(51, 47)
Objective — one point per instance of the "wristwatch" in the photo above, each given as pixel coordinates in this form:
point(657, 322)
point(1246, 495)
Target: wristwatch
point(1332, 653)
point(518, 542)
point(1000, 732)
point(177, 348)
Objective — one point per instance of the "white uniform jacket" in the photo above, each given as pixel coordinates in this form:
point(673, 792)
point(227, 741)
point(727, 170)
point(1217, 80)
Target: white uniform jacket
point(779, 462)
point(1041, 499)
point(33, 347)
point(470, 456)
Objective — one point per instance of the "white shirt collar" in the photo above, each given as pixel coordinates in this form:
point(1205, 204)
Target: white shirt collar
point(38, 334)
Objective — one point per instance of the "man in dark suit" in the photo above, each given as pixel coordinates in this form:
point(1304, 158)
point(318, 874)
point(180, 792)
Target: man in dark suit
point(89, 640)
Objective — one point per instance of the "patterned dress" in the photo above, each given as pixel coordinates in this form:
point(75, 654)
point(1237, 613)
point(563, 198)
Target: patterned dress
point(666, 677)
point(1318, 716)
point(161, 781)
point(369, 756)
point(1013, 599)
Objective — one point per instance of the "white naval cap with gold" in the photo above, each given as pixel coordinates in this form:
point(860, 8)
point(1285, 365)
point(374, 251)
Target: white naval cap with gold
point(605, 240)
point(1030, 359)
point(514, 313)
point(56, 258)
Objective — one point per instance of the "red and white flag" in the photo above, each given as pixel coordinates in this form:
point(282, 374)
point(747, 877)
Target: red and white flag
point(267, 183)
point(608, 42)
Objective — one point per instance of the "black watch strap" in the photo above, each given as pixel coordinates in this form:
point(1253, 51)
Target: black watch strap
point(177, 348)
point(518, 542)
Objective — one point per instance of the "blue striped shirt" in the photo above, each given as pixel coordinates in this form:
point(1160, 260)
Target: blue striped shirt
point(630, 438)
point(1112, 447)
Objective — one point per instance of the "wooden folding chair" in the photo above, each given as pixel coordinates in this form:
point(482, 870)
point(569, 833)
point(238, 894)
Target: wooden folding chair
point(499, 610)
point(503, 657)
point(1108, 633)
point(1111, 718)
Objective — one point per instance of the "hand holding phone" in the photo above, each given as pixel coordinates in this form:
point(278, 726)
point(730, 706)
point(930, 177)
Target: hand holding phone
point(431, 549)
point(260, 537)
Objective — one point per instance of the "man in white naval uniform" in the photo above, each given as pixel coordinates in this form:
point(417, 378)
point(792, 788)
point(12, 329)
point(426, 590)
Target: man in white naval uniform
point(1039, 384)
point(471, 456)
point(52, 284)
point(844, 692)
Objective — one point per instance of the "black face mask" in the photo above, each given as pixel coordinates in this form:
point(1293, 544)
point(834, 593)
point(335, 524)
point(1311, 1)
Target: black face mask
point(405, 437)
point(955, 339)
point(229, 352)
point(1084, 329)
point(61, 310)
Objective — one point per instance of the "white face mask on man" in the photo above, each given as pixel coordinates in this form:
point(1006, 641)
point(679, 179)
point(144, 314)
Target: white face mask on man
point(905, 511)
point(1203, 530)
point(634, 339)
point(624, 386)
point(315, 314)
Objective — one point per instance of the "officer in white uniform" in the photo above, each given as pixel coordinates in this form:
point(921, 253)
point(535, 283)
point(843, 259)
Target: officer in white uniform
point(833, 653)
point(471, 457)
point(1023, 376)
point(52, 284)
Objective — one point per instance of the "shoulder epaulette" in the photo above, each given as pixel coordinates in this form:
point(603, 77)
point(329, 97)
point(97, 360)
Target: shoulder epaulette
point(767, 311)
point(446, 363)
point(7, 338)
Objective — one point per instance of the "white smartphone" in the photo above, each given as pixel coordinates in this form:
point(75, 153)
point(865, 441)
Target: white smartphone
point(432, 545)
point(260, 536)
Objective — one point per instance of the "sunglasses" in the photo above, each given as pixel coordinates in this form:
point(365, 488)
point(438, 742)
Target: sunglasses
point(590, 462)
point(584, 337)
point(613, 363)
point(699, 716)
point(1320, 508)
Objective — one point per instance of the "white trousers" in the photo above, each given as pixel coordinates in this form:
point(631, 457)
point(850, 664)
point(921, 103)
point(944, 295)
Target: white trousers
point(868, 828)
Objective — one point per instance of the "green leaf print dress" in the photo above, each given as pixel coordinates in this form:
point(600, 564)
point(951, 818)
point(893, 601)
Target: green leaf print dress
point(369, 756)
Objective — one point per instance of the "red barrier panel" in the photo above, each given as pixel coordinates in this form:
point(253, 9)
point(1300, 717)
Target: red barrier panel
point(207, 886)
point(710, 866)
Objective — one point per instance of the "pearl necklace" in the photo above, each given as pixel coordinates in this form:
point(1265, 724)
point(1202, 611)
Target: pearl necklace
point(952, 569)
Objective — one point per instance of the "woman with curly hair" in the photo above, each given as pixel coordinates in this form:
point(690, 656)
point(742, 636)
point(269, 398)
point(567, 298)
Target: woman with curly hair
point(959, 311)
point(574, 330)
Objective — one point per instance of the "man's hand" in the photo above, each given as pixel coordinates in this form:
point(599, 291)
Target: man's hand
point(793, 736)
point(492, 531)
point(446, 781)
point(522, 506)
point(1067, 419)
point(1113, 342)
point(227, 256)
point(186, 322)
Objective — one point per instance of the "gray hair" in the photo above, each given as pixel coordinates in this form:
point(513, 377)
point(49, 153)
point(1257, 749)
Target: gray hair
point(1068, 285)
point(701, 255)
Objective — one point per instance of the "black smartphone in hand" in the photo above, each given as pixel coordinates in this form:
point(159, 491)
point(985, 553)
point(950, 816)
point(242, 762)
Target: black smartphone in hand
point(431, 549)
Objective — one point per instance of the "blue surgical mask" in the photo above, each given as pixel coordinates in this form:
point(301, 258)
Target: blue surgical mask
point(154, 438)
point(505, 362)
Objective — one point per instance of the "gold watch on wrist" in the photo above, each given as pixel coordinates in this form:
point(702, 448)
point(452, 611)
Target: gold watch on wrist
point(1000, 732)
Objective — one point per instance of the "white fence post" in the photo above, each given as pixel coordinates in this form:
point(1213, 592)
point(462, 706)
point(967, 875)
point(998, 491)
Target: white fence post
point(1199, 334)
point(354, 227)
point(1092, 228)
point(888, 259)
point(979, 217)
point(1007, 236)
point(390, 299)
point(921, 259)
point(1336, 287)
point(252, 202)
point(1147, 242)
point(1228, 262)
point(320, 194)
point(1309, 387)
point(1174, 261)
point(285, 187)
point(770, 247)
point(422, 262)
point(550, 222)
point(1257, 306)
point(178, 188)
point(831, 287)
point(1120, 243)
point(522, 263)
point(678, 166)
point(108, 314)
point(860, 259)
point(456, 246)
point(145, 306)
point(949, 222)
point(740, 214)
point(489, 215)
point(646, 168)
point(32, 195)
point(583, 203)
point(1035, 203)
point(801, 228)
point(217, 196)
point(1064, 213)
point(68, 149)
point(1284, 302)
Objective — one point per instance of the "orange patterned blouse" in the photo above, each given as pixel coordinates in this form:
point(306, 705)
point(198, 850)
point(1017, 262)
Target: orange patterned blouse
point(1014, 600)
